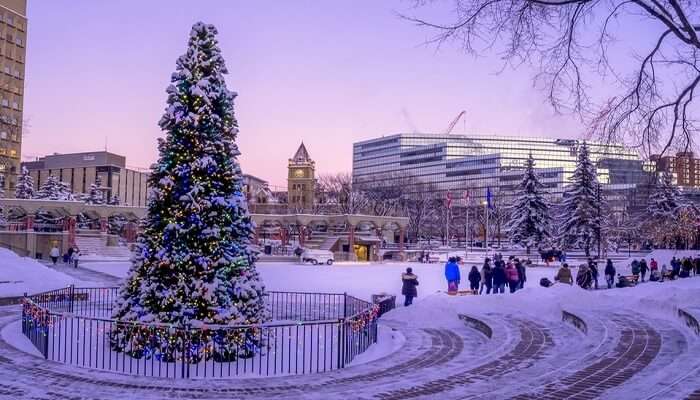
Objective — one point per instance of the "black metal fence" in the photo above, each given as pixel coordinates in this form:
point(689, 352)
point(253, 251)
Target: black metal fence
point(309, 332)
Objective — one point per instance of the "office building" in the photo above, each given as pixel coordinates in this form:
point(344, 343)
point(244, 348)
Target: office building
point(13, 37)
point(684, 167)
point(80, 170)
point(471, 163)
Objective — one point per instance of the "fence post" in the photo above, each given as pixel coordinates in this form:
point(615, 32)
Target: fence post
point(345, 305)
point(72, 295)
point(45, 329)
point(24, 315)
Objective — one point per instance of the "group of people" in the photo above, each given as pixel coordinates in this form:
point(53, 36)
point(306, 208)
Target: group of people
point(509, 273)
point(587, 275)
point(72, 256)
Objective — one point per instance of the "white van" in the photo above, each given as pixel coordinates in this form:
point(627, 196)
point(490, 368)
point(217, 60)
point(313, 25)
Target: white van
point(317, 257)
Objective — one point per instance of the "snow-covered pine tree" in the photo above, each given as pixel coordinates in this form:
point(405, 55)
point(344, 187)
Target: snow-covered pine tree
point(665, 199)
point(531, 220)
point(25, 185)
point(2, 186)
point(581, 205)
point(54, 189)
point(193, 264)
point(96, 196)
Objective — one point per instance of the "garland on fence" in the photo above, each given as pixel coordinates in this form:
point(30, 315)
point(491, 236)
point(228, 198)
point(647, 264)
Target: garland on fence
point(38, 315)
point(365, 318)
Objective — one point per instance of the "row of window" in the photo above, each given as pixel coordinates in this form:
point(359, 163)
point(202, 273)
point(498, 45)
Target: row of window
point(8, 152)
point(4, 135)
point(12, 71)
point(12, 20)
point(10, 104)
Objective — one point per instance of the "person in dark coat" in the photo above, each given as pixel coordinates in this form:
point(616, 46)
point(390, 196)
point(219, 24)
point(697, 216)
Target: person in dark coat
point(452, 275)
point(474, 279)
point(521, 273)
point(687, 267)
point(408, 288)
point(643, 268)
point(696, 263)
point(610, 273)
point(593, 268)
point(486, 277)
point(499, 278)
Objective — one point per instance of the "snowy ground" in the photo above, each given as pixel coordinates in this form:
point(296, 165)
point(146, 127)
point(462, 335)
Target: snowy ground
point(635, 345)
point(20, 274)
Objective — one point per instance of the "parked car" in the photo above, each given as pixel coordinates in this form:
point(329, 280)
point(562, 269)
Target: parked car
point(317, 257)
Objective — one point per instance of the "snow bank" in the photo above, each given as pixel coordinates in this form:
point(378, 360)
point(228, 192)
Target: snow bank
point(22, 274)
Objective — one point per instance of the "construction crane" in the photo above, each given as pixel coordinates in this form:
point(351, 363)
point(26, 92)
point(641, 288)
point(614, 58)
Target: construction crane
point(454, 122)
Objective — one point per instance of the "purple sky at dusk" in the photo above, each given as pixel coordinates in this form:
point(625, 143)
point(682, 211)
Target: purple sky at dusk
point(327, 73)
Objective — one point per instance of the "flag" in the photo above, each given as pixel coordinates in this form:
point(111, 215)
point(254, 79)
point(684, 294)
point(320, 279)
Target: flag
point(449, 199)
point(489, 198)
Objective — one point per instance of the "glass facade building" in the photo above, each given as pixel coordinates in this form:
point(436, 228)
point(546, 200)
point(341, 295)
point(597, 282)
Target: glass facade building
point(472, 163)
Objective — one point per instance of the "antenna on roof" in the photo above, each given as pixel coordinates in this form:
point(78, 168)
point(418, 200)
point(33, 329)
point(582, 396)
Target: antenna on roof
point(105, 143)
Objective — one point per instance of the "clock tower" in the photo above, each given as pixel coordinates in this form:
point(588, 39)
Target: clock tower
point(301, 181)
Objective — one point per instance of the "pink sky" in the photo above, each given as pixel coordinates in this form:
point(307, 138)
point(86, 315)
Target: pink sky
point(326, 73)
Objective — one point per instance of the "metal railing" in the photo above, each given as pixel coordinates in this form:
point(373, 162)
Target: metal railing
point(309, 333)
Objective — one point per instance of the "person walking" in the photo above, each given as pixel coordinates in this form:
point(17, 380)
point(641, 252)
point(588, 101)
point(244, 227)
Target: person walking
point(564, 275)
point(486, 277)
point(474, 280)
point(512, 277)
point(76, 257)
point(584, 277)
point(521, 273)
point(408, 288)
point(593, 268)
point(643, 268)
point(610, 273)
point(54, 253)
point(499, 278)
point(635, 268)
point(452, 275)
point(653, 265)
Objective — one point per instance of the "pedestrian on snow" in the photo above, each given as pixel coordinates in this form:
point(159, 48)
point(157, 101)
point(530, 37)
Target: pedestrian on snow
point(486, 277)
point(584, 277)
point(687, 265)
point(664, 272)
point(635, 268)
point(564, 275)
point(521, 273)
point(593, 267)
point(610, 273)
point(54, 254)
point(499, 278)
point(408, 287)
point(643, 268)
point(675, 267)
point(653, 265)
point(654, 276)
point(696, 263)
point(76, 258)
point(452, 275)
point(474, 279)
point(512, 277)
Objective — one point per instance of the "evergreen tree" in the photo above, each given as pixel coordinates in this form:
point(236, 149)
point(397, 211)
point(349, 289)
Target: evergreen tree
point(531, 221)
point(54, 189)
point(25, 185)
point(581, 205)
point(193, 263)
point(96, 196)
point(2, 186)
point(664, 200)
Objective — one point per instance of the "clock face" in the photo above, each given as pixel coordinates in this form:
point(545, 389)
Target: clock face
point(299, 173)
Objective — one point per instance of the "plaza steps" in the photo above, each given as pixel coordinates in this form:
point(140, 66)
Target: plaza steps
point(97, 246)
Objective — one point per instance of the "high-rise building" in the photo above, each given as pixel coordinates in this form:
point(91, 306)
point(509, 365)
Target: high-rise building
point(301, 181)
point(13, 40)
point(439, 163)
point(684, 167)
point(80, 170)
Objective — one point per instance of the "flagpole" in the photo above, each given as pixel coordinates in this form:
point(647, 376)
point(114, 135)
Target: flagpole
point(447, 228)
point(466, 233)
point(487, 226)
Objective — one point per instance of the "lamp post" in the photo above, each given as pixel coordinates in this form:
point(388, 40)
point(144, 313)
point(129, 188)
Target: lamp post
point(599, 220)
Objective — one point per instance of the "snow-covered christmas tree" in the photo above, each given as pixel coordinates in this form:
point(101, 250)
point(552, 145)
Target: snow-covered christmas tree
point(531, 221)
point(25, 185)
point(96, 195)
point(193, 264)
point(2, 186)
point(581, 205)
point(54, 189)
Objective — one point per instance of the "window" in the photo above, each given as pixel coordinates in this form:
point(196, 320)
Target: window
point(7, 69)
point(3, 135)
point(15, 105)
point(13, 153)
point(3, 151)
point(18, 41)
